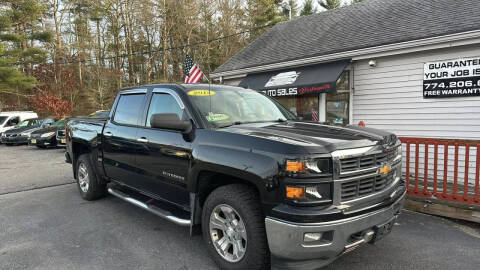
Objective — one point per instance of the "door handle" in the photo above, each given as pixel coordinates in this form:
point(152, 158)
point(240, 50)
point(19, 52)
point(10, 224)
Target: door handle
point(142, 140)
point(108, 134)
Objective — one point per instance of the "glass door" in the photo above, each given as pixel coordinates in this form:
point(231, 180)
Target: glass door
point(338, 104)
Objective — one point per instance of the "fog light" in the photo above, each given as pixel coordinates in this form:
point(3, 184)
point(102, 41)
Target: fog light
point(311, 237)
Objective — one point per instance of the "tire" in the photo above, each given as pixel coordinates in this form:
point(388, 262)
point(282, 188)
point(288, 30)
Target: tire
point(245, 203)
point(87, 181)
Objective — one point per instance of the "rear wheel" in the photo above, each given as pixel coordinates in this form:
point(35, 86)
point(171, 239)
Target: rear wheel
point(234, 229)
point(88, 185)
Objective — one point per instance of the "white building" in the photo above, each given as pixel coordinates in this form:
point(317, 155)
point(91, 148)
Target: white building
point(411, 67)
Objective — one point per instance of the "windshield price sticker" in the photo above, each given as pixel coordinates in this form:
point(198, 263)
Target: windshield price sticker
point(455, 78)
point(201, 93)
point(217, 117)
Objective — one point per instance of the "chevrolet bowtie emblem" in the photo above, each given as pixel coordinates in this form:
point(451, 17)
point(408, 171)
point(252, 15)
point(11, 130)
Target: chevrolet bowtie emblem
point(385, 169)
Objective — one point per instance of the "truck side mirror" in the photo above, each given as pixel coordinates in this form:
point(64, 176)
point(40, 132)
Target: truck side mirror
point(170, 121)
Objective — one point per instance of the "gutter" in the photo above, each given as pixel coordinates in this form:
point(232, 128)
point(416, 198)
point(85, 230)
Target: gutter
point(452, 40)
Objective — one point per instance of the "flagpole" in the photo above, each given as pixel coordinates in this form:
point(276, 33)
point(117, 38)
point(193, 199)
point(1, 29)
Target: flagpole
point(206, 78)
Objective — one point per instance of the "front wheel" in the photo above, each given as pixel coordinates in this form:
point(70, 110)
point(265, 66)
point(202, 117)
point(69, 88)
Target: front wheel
point(88, 185)
point(234, 229)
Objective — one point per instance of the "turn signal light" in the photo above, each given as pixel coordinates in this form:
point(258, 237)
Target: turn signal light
point(295, 166)
point(295, 192)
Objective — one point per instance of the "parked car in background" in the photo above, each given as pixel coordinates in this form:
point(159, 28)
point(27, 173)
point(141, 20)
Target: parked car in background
point(21, 133)
point(60, 137)
point(47, 137)
point(9, 120)
point(99, 114)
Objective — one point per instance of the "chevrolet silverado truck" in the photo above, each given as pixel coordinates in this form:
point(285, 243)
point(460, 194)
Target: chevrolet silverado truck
point(266, 189)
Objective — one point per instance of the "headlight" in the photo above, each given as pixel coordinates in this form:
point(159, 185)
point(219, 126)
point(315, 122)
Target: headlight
point(399, 151)
point(25, 134)
point(310, 194)
point(49, 134)
point(3, 134)
point(312, 166)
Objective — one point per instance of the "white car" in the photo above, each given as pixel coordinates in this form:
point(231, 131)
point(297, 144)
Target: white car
point(8, 120)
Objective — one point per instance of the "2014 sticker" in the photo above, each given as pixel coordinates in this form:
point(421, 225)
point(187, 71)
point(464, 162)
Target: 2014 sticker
point(201, 93)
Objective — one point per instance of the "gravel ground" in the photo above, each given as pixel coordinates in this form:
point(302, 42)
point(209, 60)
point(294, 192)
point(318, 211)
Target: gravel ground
point(44, 224)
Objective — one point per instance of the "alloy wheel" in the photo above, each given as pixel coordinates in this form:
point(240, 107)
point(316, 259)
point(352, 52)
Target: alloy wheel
point(83, 179)
point(228, 233)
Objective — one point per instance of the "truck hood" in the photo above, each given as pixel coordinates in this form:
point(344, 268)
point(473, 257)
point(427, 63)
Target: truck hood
point(316, 137)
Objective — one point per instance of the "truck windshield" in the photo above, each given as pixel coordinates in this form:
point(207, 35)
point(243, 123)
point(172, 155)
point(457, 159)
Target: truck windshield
point(226, 107)
point(2, 119)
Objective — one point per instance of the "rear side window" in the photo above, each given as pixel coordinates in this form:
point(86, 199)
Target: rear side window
point(13, 121)
point(163, 103)
point(128, 108)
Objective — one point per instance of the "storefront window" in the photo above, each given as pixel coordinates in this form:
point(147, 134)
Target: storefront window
point(305, 107)
point(338, 104)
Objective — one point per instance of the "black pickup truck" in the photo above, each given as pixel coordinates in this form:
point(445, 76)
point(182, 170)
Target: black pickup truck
point(266, 189)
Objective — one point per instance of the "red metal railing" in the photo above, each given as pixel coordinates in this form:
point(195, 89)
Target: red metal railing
point(451, 186)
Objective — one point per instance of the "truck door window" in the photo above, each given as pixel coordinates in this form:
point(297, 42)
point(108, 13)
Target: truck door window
point(163, 103)
point(128, 108)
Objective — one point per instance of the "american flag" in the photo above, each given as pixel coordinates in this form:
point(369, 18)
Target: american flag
point(193, 74)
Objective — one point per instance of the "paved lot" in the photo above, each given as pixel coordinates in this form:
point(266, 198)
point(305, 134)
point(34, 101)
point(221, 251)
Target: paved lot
point(28, 167)
point(44, 224)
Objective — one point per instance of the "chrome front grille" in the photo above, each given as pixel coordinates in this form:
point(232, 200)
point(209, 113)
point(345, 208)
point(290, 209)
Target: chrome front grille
point(358, 188)
point(365, 162)
point(360, 174)
point(61, 133)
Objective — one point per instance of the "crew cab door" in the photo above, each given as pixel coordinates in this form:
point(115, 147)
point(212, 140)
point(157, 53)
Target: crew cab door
point(164, 157)
point(119, 137)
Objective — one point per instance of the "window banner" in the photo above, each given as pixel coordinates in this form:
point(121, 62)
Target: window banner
point(454, 78)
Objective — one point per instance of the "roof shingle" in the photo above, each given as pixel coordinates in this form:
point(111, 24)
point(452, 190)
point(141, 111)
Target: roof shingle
point(368, 24)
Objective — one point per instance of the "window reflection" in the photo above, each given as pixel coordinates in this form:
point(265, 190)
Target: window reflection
point(305, 107)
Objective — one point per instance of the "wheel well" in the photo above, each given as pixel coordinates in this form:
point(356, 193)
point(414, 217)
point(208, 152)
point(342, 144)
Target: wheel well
point(78, 149)
point(209, 181)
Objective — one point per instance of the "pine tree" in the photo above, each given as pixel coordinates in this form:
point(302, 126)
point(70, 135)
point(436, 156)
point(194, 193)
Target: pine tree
point(261, 13)
point(330, 4)
point(308, 8)
point(20, 35)
point(290, 7)
point(356, 1)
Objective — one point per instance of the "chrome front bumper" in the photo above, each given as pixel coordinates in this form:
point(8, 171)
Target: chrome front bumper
point(286, 239)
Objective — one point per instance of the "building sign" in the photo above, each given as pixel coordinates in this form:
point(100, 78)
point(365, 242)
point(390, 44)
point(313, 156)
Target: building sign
point(283, 78)
point(454, 78)
point(293, 91)
point(302, 80)
point(281, 92)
